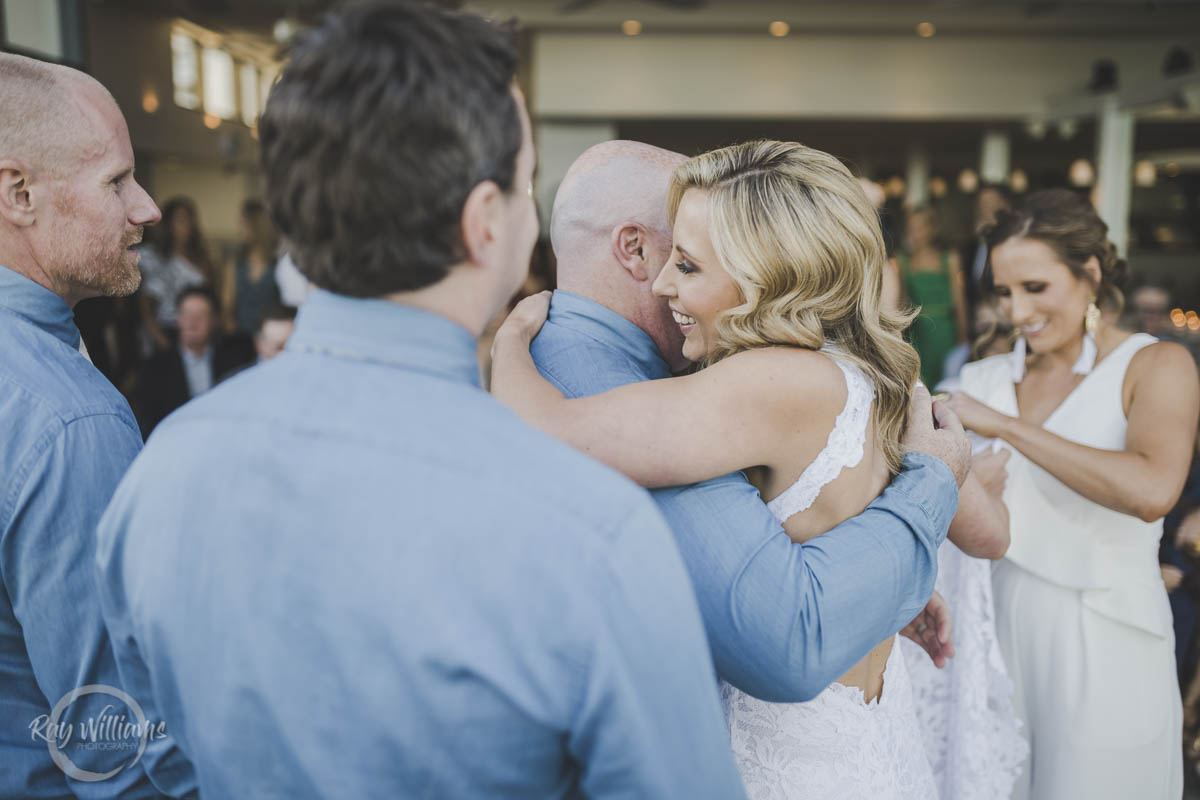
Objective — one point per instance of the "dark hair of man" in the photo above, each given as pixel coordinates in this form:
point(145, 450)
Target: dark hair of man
point(276, 313)
point(199, 291)
point(385, 119)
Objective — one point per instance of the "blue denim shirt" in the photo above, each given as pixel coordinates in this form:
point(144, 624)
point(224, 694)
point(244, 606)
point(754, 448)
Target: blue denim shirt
point(66, 438)
point(349, 572)
point(784, 620)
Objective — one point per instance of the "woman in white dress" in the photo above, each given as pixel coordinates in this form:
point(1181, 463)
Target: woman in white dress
point(774, 281)
point(1101, 424)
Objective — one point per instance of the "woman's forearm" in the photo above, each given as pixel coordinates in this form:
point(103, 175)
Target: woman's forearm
point(1124, 481)
point(980, 527)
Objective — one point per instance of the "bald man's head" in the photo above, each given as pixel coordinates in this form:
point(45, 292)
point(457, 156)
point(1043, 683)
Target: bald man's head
point(49, 114)
point(610, 233)
point(70, 208)
point(611, 183)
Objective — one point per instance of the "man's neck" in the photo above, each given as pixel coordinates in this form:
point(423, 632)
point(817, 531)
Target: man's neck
point(21, 261)
point(463, 297)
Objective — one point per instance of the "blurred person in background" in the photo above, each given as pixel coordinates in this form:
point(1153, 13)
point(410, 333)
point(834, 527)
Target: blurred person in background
point(1101, 425)
point(198, 360)
point(249, 287)
point(70, 214)
point(274, 330)
point(1179, 559)
point(931, 279)
point(177, 259)
point(991, 199)
point(1150, 312)
point(991, 335)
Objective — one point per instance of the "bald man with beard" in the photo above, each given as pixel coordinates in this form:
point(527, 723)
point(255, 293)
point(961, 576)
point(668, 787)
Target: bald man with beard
point(784, 619)
point(70, 213)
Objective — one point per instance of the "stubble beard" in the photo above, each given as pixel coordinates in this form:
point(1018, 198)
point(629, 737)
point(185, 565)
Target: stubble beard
point(116, 276)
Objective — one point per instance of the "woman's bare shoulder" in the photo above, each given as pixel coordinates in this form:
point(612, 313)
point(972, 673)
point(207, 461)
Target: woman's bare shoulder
point(787, 378)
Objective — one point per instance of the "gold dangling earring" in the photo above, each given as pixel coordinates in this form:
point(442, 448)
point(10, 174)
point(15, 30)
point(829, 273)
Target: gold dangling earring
point(1091, 317)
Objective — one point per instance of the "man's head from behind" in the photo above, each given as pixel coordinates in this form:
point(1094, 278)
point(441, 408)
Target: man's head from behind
point(611, 235)
point(396, 148)
point(70, 209)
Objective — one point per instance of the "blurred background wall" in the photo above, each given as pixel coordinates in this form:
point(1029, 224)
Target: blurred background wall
point(930, 100)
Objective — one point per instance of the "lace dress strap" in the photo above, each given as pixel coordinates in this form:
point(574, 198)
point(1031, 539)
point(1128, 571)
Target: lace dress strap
point(843, 449)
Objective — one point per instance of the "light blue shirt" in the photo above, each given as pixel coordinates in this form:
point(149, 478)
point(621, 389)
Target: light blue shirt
point(784, 620)
point(66, 438)
point(349, 572)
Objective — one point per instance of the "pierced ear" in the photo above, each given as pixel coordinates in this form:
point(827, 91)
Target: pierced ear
point(481, 220)
point(629, 248)
point(16, 201)
point(1091, 268)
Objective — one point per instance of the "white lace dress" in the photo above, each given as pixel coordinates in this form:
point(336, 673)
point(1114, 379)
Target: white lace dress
point(971, 733)
point(836, 746)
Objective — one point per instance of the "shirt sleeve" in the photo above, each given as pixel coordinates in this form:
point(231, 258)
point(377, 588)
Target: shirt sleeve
point(649, 722)
point(48, 568)
point(784, 620)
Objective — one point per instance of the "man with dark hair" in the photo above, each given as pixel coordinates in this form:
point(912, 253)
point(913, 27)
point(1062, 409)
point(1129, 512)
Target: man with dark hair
point(199, 359)
point(70, 213)
point(392, 587)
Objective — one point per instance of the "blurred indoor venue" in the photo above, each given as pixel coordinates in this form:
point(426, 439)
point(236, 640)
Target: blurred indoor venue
point(935, 103)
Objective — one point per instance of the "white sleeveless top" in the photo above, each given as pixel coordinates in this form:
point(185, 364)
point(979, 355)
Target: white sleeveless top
point(1061, 536)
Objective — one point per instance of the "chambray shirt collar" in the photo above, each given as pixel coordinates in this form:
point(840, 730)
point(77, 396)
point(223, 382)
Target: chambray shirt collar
point(384, 332)
point(39, 305)
point(609, 328)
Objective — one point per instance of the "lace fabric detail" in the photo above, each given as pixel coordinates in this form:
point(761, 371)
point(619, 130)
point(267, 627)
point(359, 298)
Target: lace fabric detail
point(843, 449)
point(971, 733)
point(834, 747)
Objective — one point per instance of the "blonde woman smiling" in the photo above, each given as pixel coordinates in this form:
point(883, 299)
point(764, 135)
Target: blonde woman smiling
point(774, 280)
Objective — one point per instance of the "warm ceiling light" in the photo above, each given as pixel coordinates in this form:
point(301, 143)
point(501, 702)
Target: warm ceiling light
point(779, 28)
point(925, 29)
point(937, 186)
point(968, 181)
point(1171, 169)
point(212, 121)
point(150, 101)
point(1018, 181)
point(1145, 174)
point(1081, 173)
point(631, 27)
point(894, 186)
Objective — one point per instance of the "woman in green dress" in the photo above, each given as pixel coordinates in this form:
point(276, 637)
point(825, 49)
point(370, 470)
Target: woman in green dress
point(931, 277)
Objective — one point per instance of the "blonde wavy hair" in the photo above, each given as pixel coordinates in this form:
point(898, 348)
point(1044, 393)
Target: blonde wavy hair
point(802, 242)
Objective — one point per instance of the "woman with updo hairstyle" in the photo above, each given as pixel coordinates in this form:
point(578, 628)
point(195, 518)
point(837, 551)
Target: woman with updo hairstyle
point(1100, 423)
point(774, 280)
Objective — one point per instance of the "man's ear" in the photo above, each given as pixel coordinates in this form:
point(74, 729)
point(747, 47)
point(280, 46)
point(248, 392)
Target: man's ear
point(629, 243)
point(16, 200)
point(482, 220)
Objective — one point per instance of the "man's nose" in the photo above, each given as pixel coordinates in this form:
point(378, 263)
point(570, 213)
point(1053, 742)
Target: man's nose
point(144, 211)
